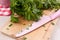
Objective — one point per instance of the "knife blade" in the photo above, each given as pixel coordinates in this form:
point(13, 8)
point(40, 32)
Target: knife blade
point(35, 25)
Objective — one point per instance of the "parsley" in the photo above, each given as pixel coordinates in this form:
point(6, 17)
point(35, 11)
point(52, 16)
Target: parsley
point(27, 28)
point(52, 23)
point(14, 19)
point(31, 9)
point(10, 25)
point(24, 38)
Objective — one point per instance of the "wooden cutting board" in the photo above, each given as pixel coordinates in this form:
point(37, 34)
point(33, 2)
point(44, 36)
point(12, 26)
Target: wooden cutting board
point(42, 33)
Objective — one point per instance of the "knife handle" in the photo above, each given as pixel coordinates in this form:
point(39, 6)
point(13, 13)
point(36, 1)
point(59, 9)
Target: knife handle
point(55, 15)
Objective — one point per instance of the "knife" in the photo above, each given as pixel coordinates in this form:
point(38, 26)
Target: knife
point(35, 25)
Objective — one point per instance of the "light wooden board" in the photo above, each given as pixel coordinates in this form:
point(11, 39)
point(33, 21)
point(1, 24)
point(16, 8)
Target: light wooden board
point(42, 33)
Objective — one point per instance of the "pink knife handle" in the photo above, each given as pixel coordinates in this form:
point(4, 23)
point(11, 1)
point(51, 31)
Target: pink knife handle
point(55, 15)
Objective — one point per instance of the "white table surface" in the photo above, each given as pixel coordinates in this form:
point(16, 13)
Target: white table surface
point(3, 20)
point(55, 35)
point(4, 37)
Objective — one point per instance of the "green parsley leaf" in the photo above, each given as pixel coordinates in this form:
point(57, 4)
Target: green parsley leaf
point(31, 9)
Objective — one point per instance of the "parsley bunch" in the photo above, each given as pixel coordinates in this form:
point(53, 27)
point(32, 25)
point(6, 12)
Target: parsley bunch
point(31, 9)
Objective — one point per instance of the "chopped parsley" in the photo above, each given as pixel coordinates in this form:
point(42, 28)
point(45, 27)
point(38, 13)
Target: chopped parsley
point(52, 23)
point(27, 28)
point(10, 25)
point(24, 38)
